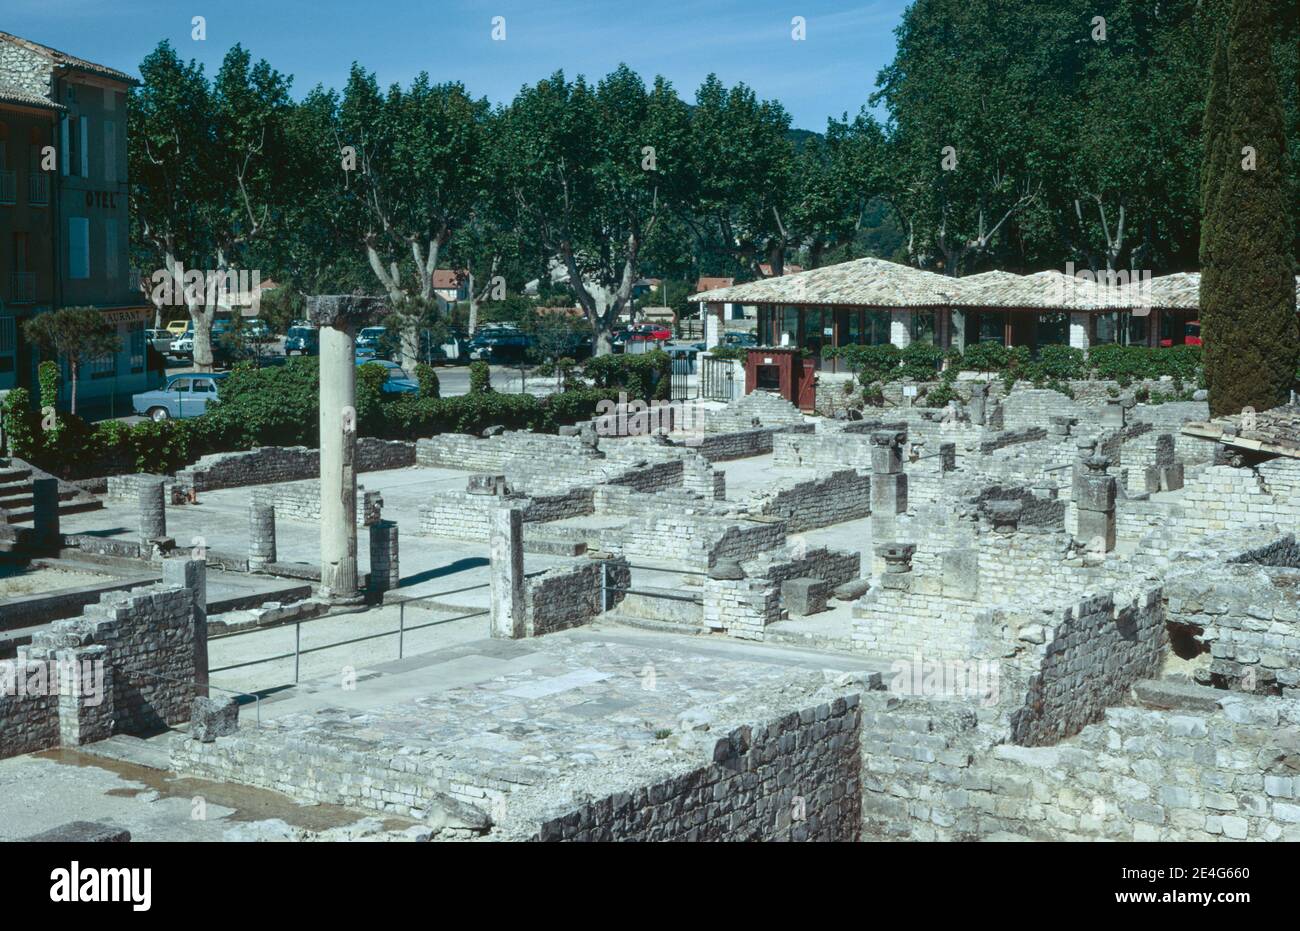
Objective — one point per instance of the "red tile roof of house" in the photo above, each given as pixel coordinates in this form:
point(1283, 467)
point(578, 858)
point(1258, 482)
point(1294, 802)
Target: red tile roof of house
point(709, 284)
point(450, 277)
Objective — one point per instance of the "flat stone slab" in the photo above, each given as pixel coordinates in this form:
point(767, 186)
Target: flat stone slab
point(81, 832)
point(1182, 696)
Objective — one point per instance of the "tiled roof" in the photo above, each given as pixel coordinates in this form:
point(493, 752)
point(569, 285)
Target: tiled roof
point(878, 283)
point(22, 98)
point(864, 282)
point(68, 61)
point(449, 277)
point(713, 283)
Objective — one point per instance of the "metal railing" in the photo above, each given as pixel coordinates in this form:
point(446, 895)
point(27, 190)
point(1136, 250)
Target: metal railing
point(402, 630)
point(606, 587)
point(8, 188)
point(38, 189)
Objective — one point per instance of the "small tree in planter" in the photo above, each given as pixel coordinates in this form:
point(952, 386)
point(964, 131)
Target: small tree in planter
point(75, 334)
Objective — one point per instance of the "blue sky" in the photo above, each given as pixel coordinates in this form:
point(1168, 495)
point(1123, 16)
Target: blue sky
point(831, 72)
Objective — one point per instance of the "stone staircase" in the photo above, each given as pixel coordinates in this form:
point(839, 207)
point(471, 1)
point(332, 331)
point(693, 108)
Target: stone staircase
point(16, 494)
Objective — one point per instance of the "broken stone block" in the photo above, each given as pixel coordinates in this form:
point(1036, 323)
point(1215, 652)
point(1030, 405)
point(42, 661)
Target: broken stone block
point(726, 569)
point(1171, 477)
point(1097, 528)
point(1151, 479)
point(852, 591)
point(81, 832)
point(211, 718)
point(802, 597)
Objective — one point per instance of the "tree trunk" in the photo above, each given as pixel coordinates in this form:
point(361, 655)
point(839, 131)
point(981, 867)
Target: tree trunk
point(202, 318)
point(73, 366)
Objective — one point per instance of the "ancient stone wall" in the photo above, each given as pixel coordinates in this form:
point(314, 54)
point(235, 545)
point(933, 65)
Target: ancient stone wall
point(1139, 774)
point(794, 779)
point(301, 501)
point(267, 464)
point(144, 644)
point(464, 516)
point(819, 502)
point(572, 596)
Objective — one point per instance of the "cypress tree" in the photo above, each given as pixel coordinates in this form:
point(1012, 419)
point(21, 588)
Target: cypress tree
point(1248, 309)
point(1214, 127)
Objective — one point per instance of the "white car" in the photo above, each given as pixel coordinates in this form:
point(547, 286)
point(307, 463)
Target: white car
point(183, 345)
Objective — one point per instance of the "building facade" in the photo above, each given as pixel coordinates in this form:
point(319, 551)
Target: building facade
point(64, 214)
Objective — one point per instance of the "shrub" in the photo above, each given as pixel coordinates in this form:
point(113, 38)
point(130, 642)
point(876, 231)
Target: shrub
point(480, 377)
point(985, 357)
point(47, 377)
point(869, 363)
point(920, 362)
point(1061, 362)
point(427, 376)
point(644, 375)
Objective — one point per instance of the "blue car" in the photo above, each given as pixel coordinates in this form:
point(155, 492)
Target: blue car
point(181, 396)
point(398, 382)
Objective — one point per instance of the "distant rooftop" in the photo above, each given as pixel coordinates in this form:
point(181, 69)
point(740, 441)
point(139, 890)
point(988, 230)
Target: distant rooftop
point(64, 60)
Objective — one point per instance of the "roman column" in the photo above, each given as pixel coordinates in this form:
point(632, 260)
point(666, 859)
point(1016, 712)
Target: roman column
point(338, 317)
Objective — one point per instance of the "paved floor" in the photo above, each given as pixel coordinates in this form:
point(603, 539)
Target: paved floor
point(563, 704)
point(220, 521)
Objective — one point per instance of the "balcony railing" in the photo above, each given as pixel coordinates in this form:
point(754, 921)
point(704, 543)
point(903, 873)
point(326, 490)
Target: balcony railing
point(8, 188)
point(38, 189)
point(22, 289)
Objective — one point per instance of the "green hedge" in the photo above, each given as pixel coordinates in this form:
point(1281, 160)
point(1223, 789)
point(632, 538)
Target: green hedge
point(642, 375)
point(276, 406)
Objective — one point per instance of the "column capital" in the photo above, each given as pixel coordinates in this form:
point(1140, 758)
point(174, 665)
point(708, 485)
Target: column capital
point(342, 311)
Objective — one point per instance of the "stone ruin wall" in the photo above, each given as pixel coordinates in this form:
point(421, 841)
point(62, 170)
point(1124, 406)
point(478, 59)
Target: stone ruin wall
point(145, 639)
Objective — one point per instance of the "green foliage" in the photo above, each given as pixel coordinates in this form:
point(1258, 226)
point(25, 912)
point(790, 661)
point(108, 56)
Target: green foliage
point(21, 424)
point(47, 377)
point(1248, 302)
point(1061, 362)
point(480, 377)
point(731, 353)
point(869, 363)
point(920, 362)
point(76, 334)
point(986, 357)
point(643, 375)
point(370, 397)
point(1127, 364)
point(427, 377)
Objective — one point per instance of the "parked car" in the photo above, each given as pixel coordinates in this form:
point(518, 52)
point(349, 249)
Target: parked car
point(177, 327)
point(258, 330)
point(398, 382)
point(370, 339)
point(500, 346)
point(181, 396)
point(304, 340)
point(651, 331)
point(160, 340)
point(740, 340)
point(183, 345)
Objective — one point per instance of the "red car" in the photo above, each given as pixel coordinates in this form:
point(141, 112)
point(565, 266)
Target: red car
point(651, 331)
point(1191, 335)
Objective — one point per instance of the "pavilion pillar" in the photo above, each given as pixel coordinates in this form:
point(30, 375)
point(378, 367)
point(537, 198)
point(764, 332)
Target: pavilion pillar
point(1080, 330)
point(900, 328)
